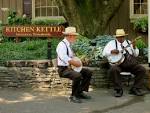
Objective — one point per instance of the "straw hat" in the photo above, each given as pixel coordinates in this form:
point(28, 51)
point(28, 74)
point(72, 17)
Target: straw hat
point(120, 32)
point(70, 31)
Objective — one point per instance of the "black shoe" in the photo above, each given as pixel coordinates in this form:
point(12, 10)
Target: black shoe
point(136, 91)
point(118, 92)
point(83, 96)
point(74, 99)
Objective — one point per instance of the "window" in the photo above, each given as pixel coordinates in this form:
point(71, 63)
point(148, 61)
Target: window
point(138, 8)
point(44, 8)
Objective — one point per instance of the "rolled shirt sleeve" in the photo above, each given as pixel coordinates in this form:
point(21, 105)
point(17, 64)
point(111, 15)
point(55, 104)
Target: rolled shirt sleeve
point(136, 52)
point(107, 49)
point(112, 45)
point(133, 51)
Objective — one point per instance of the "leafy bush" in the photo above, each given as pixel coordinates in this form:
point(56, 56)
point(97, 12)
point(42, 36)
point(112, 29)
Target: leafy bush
point(13, 19)
point(91, 50)
point(145, 52)
point(143, 49)
point(48, 21)
point(141, 24)
point(21, 51)
point(81, 47)
point(0, 22)
point(0, 29)
point(27, 50)
point(99, 42)
point(140, 44)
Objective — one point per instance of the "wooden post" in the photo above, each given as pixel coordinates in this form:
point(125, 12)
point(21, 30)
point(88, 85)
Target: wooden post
point(49, 49)
point(17, 39)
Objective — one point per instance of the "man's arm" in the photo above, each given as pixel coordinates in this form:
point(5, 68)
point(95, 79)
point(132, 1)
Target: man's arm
point(75, 63)
point(134, 48)
point(62, 54)
point(110, 49)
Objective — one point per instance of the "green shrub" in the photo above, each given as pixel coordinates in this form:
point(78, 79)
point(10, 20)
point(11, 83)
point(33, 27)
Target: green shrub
point(141, 24)
point(32, 45)
point(140, 44)
point(81, 46)
point(21, 51)
point(91, 50)
point(13, 19)
point(27, 50)
point(0, 29)
point(48, 21)
point(102, 40)
point(145, 52)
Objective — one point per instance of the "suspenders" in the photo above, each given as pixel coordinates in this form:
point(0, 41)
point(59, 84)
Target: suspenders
point(67, 53)
point(130, 47)
point(126, 50)
point(66, 48)
point(116, 45)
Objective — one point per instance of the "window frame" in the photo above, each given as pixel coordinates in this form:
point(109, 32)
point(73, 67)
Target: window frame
point(132, 15)
point(33, 11)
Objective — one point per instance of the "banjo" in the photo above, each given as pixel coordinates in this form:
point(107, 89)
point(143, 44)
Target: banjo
point(77, 69)
point(117, 59)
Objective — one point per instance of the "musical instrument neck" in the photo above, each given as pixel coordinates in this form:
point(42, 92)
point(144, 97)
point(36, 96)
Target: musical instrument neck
point(124, 48)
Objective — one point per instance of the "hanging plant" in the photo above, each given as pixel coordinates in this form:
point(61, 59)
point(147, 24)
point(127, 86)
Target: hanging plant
point(141, 24)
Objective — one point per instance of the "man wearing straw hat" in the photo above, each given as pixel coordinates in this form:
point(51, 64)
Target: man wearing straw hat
point(80, 76)
point(121, 54)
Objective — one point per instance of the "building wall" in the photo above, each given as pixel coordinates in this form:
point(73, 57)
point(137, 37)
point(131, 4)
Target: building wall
point(121, 19)
point(16, 5)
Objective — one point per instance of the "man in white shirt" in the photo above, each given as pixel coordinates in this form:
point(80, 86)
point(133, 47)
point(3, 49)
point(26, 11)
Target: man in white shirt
point(121, 54)
point(65, 57)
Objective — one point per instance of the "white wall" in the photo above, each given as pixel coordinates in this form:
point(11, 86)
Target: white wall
point(149, 32)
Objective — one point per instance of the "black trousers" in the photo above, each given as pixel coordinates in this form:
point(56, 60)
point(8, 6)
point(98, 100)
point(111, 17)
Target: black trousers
point(80, 81)
point(136, 69)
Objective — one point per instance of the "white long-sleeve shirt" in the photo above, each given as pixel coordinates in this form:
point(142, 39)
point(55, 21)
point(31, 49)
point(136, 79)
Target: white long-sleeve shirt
point(62, 57)
point(112, 45)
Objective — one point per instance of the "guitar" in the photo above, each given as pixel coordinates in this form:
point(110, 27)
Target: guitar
point(117, 59)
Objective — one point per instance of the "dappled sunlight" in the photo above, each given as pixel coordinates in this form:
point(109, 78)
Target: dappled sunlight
point(86, 109)
point(24, 98)
point(60, 92)
point(91, 89)
point(28, 97)
point(35, 95)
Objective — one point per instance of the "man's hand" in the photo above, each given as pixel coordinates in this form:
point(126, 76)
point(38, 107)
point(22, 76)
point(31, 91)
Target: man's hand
point(114, 51)
point(134, 44)
point(75, 63)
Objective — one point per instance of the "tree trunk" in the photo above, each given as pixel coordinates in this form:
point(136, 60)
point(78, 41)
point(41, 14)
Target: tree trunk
point(91, 17)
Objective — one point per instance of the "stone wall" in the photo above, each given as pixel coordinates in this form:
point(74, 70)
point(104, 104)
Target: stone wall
point(39, 74)
point(100, 77)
